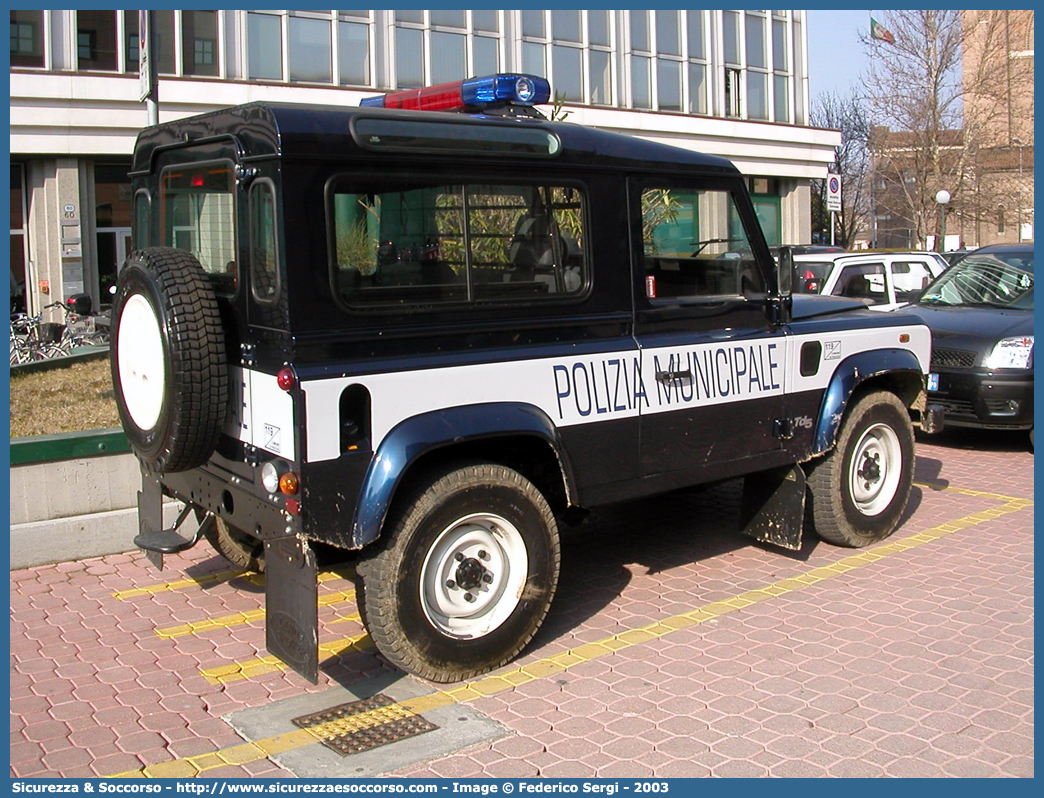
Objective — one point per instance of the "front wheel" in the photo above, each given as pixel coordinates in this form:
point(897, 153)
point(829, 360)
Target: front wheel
point(466, 575)
point(860, 489)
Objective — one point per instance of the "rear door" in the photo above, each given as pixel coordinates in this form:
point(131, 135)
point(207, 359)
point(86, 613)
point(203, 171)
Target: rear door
point(711, 363)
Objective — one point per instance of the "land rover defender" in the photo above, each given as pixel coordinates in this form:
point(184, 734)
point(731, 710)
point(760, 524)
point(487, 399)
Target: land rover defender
point(433, 328)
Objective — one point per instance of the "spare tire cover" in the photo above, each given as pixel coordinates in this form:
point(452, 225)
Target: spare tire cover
point(169, 370)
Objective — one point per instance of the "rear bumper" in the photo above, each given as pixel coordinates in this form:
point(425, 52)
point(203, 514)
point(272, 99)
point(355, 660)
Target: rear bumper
point(233, 499)
point(987, 400)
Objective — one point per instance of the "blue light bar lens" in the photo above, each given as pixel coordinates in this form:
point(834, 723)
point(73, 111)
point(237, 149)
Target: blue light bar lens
point(514, 88)
point(372, 102)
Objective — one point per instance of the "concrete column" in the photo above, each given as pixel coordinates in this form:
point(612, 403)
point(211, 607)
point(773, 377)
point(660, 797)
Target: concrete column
point(56, 213)
point(796, 211)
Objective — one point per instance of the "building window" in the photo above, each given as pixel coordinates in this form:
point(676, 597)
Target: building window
point(441, 46)
point(310, 58)
point(640, 58)
point(264, 47)
point(132, 41)
point(732, 92)
point(27, 39)
point(353, 52)
point(96, 40)
point(318, 46)
point(1000, 220)
point(199, 34)
point(781, 70)
point(698, 102)
point(164, 42)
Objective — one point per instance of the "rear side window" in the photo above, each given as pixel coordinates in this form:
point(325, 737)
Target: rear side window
point(263, 257)
point(422, 243)
point(865, 281)
point(197, 212)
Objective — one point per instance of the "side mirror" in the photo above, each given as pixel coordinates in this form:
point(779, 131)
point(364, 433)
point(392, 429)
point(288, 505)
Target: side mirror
point(780, 305)
point(785, 272)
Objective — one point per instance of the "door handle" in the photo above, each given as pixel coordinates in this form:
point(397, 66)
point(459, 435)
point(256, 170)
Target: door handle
point(665, 377)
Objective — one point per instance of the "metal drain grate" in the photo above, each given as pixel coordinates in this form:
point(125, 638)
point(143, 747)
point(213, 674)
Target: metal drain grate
point(365, 724)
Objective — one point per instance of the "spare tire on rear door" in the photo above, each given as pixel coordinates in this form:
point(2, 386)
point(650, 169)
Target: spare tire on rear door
point(168, 360)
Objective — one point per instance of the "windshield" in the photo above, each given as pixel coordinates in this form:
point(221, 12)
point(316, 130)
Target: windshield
point(984, 281)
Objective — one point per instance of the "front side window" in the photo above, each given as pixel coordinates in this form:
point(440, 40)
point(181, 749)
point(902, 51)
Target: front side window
point(694, 244)
point(418, 243)
point(197, 209)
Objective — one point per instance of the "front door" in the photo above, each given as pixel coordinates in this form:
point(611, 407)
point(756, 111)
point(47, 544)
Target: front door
point(712, 364)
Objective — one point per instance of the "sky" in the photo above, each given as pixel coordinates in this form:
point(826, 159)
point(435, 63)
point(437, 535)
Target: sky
point(836, 57)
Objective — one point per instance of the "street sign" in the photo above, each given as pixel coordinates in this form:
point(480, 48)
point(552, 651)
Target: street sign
point(833, 200)
point(146, 82)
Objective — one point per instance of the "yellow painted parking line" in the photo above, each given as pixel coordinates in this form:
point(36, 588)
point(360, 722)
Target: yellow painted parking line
point(220, 576)
point(235, 671)
point(556, 663)
point(241, 618)
point(181, 584)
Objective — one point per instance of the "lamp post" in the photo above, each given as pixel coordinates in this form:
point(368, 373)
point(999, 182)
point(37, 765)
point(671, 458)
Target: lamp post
point(942, 196)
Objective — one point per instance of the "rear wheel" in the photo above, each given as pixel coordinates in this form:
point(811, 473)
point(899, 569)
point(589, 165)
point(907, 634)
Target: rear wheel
point(238, 547)
point(466, 575)
point(860, 489)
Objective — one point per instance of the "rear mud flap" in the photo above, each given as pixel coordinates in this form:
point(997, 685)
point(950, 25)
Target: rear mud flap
point(291, 598)
point(774, 506)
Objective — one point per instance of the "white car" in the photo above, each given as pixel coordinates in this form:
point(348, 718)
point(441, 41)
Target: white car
point(882, 280)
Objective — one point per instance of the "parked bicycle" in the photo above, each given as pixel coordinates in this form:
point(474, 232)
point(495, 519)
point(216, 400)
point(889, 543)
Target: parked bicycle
point(33, 339)
point(82, 327)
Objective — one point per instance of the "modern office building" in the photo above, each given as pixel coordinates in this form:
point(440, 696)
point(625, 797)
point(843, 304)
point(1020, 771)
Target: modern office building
point(731, 83)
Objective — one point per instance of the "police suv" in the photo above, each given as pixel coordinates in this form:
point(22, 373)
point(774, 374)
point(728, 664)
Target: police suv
point(432, 338)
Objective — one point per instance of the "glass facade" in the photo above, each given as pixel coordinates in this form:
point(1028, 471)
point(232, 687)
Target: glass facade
point(735, 64)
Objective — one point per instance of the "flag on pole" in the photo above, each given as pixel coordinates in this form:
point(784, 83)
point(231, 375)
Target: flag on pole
point(879, 31)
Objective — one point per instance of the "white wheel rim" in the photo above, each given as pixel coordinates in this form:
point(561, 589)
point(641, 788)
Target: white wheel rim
point(139, 348)
point(472, 578)
point(875, 469)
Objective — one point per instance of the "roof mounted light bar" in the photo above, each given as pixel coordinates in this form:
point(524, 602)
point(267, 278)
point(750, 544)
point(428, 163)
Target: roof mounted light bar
point(471, 94)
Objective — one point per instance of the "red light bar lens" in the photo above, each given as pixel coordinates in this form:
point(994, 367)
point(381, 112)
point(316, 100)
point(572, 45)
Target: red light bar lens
point(501, 89)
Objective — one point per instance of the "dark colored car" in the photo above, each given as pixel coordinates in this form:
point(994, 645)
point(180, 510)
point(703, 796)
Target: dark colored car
point(980, 312)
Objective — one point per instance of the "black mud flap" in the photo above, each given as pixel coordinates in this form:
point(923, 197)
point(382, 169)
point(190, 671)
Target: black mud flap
point(292, 601)
point(933, 419)
point(774, 506)
point(152, 538)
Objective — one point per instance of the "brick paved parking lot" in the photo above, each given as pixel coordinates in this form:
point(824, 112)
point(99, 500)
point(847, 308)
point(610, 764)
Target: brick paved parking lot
point(674, 648)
